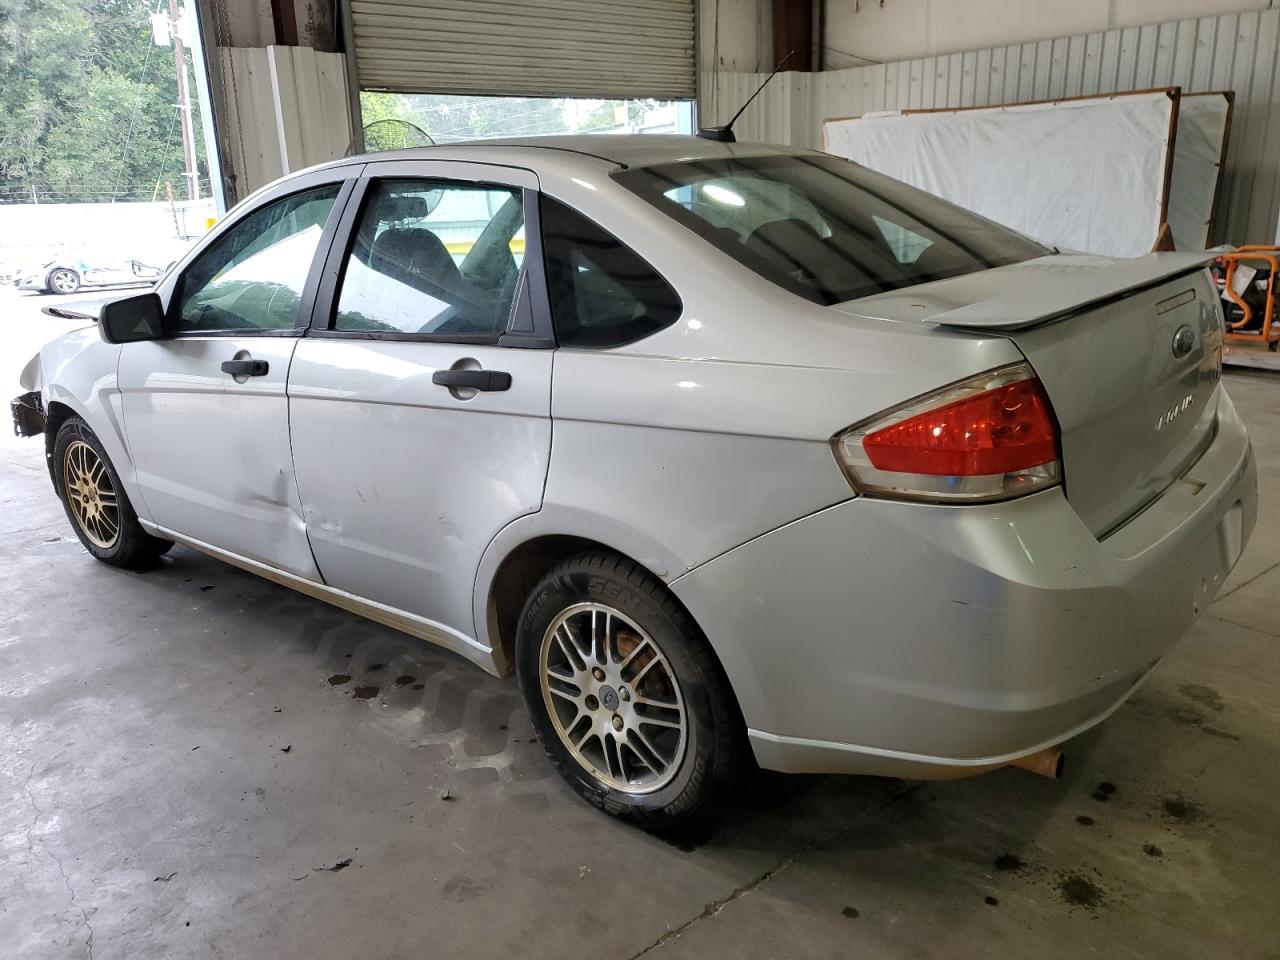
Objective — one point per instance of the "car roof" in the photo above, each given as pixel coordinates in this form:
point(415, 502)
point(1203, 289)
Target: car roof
point(625, 150)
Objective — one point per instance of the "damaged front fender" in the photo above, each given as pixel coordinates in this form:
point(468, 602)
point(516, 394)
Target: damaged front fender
point(28, 414)
point(31, 376)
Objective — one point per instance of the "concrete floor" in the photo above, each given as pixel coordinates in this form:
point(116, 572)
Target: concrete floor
point(184, 772)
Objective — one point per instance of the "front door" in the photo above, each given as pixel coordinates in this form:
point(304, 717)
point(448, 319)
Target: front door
point(205, 410)
point(420, 401)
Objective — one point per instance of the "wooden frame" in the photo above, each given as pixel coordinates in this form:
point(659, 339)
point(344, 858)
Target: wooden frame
point(1230, 97)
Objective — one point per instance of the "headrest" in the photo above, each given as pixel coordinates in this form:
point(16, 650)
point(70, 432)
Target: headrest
point(403, 208)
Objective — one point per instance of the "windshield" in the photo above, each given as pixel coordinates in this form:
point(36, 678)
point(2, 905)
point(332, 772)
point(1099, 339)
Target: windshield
point(824, 228)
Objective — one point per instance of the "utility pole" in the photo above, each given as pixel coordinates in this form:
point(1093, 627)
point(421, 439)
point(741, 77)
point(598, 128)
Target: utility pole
point(184, 106)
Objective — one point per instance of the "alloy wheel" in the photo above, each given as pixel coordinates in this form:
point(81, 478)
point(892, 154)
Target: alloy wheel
point(613, 698)
point(91, 494)
point(63, 281)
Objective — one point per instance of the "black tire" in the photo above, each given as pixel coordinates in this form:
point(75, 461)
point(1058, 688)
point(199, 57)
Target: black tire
point(71, 280)
point(714, 738)
point(131, 547)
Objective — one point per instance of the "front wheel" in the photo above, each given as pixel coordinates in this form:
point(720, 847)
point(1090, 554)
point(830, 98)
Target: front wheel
point(63, 280)
point(96, 503)
point(625, 693)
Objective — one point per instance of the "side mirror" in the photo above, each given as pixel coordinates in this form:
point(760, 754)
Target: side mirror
point(132, 319)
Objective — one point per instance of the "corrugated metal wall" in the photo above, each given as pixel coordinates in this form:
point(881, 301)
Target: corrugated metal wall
point(1237, 52)
point(287, 109)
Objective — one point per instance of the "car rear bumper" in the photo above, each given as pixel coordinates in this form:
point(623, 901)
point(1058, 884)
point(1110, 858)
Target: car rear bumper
point(937, 641)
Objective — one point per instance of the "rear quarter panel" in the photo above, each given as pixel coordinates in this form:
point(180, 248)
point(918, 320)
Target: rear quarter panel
point(716, 429)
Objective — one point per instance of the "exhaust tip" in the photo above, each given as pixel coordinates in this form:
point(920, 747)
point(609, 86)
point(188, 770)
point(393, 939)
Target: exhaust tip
point(1045, 763)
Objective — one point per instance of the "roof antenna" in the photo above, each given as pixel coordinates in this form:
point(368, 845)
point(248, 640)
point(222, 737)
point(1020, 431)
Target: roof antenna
point(725, 134)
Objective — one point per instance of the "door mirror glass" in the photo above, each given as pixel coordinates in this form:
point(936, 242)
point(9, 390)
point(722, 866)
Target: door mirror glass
point(132, 319)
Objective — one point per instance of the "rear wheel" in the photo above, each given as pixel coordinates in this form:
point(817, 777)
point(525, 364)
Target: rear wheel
point(96, 503)
point(63, 280)
point(625, 694)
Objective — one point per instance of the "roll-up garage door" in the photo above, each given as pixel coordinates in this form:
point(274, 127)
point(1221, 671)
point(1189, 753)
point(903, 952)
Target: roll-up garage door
point(608, 49)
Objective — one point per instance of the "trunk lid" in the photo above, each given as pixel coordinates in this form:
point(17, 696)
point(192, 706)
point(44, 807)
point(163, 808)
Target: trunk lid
point(1134, 408)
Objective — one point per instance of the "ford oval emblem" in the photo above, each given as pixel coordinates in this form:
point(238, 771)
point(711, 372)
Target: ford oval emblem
point(1184, 340)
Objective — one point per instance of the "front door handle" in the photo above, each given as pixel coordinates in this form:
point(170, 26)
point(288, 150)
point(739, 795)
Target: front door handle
point(246, 368)
point(489, 381)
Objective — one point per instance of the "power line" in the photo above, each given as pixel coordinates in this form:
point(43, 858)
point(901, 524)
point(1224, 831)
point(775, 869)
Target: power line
point(168, 141)
point(133, 116)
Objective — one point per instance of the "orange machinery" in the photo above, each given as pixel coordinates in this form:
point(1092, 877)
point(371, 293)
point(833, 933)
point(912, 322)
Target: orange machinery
point(1253, 319)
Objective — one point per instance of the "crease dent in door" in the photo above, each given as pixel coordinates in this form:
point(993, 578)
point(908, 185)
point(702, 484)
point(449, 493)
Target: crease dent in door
point(293, 466)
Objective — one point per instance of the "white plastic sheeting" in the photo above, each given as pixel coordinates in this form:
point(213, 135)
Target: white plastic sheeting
point(1087, 174)
point(1232, 51)
point(1203, 122)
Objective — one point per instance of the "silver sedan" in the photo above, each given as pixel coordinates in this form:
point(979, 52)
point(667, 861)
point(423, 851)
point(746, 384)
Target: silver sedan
point(727, 451)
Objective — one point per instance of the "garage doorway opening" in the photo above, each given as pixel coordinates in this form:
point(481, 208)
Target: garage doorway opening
point(396, 120)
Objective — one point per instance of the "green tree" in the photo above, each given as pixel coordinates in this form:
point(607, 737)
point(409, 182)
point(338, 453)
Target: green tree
point(88, 103)
point(607, 116)
point(450, 118)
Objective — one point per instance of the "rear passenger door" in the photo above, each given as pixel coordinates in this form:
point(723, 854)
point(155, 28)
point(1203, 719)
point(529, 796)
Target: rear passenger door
point(420, 398)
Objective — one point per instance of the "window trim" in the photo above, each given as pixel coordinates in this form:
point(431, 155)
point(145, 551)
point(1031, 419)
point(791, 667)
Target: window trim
point(306, 301)
point(532, 275)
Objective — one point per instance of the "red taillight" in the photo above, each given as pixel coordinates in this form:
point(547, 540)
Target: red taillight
point(1003, 430)
point(991, 437)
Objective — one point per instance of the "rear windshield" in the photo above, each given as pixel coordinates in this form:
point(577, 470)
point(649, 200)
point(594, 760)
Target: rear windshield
point(824, 228)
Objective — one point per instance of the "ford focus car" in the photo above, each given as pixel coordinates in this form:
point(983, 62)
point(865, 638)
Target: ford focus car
point(728, 451)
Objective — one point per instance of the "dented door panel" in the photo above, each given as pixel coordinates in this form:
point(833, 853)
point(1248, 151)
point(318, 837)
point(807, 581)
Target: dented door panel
point(406, 482)
point(213, 452)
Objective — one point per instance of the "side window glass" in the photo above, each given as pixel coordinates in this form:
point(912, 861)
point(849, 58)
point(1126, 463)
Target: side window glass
point(251, 278)
point(433, 257)
point(602, 293)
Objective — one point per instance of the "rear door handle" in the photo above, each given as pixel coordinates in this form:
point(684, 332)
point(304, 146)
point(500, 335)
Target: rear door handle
point(490, 381)
point(246, 368)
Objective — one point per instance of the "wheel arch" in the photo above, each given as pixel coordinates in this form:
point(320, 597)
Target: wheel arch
point(509, 573)
point(56, 414)
point(513, 579)
point(103, 415)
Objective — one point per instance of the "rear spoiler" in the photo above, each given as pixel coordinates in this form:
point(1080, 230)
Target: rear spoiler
point(1092, 286)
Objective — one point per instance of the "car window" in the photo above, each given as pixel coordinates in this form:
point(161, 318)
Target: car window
point(824, 228)
point(433, 257)
point(603, 294)
point(251, 277)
